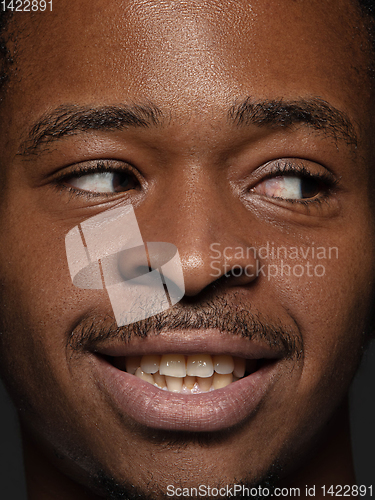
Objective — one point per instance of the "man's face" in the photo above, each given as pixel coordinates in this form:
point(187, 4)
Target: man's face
point(242, 153)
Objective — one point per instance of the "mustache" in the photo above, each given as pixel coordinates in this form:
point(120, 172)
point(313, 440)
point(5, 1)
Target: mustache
point(229, 317)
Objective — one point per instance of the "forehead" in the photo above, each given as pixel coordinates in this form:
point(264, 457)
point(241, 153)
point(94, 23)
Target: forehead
point(187, 56)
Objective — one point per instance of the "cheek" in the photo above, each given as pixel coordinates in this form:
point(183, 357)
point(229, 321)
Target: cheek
point(38, 303)
point(34, 275)
point(333, 311)
point(37, 291)
point(38, 307)
point(31, 294)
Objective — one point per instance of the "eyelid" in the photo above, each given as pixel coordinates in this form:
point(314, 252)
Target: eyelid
point(97, 166)
point(298, 168)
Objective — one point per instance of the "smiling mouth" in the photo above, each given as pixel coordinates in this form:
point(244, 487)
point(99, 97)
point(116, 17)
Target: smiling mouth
point(187, 383)
point(188, 374)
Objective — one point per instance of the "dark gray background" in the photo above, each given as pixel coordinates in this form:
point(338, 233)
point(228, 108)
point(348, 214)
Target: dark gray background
point(12, 486)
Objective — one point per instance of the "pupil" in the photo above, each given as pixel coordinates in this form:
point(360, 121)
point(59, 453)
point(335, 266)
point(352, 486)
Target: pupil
point(309, 187)
point(122, 182)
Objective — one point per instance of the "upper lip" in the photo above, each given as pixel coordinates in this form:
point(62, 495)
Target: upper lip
point(190, 342)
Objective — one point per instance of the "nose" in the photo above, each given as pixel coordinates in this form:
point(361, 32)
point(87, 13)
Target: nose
point(204, 225)
point(218, 256)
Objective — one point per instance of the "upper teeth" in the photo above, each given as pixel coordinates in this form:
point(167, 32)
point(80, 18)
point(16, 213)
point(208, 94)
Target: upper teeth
point(178, 365)
point(187, 374)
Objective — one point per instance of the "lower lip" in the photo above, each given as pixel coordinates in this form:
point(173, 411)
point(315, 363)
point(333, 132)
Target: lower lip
point(212, 411)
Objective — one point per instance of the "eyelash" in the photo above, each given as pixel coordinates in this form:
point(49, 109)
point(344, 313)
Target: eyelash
point(287, 168)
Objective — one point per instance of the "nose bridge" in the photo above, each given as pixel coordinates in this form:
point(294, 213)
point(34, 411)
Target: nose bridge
point(196, 211)
point(199, 217)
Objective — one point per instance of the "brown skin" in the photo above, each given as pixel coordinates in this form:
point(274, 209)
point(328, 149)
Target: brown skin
point(193, 60)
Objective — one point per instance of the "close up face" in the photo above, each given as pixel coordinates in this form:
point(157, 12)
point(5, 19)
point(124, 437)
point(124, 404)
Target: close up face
point(228, 126)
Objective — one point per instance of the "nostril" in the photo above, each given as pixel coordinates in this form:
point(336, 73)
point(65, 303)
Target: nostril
point(246, 272)
point(132, 263)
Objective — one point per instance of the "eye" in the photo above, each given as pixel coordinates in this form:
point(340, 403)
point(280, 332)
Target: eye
point(103, 182)
point(289, 187)
point(296, 180)
point(101, 178)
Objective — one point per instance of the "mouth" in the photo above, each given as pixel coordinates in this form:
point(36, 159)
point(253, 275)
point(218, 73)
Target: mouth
point(213, 382)
point(193, 374)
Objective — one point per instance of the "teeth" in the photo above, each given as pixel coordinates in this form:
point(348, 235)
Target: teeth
point(173, 365)
point(221, 380)
point(174, 384)
point(160, 380)
point(187, 374)
point(132, 363)
point(200, 365)
point(189, 382)
point(223, 364)
point(239, 367)
point(144, 376)
point(150, 364)
point(205, 383)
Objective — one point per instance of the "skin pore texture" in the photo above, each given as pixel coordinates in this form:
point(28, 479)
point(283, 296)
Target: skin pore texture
point(200, 104)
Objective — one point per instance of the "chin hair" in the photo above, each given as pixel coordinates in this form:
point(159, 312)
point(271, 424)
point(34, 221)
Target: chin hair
point(114, 490)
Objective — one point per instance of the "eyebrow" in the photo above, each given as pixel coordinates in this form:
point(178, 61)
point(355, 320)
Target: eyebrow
point(71, 119)
point(314, 113)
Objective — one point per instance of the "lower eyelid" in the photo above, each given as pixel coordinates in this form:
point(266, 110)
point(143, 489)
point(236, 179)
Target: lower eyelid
point(305, 211)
